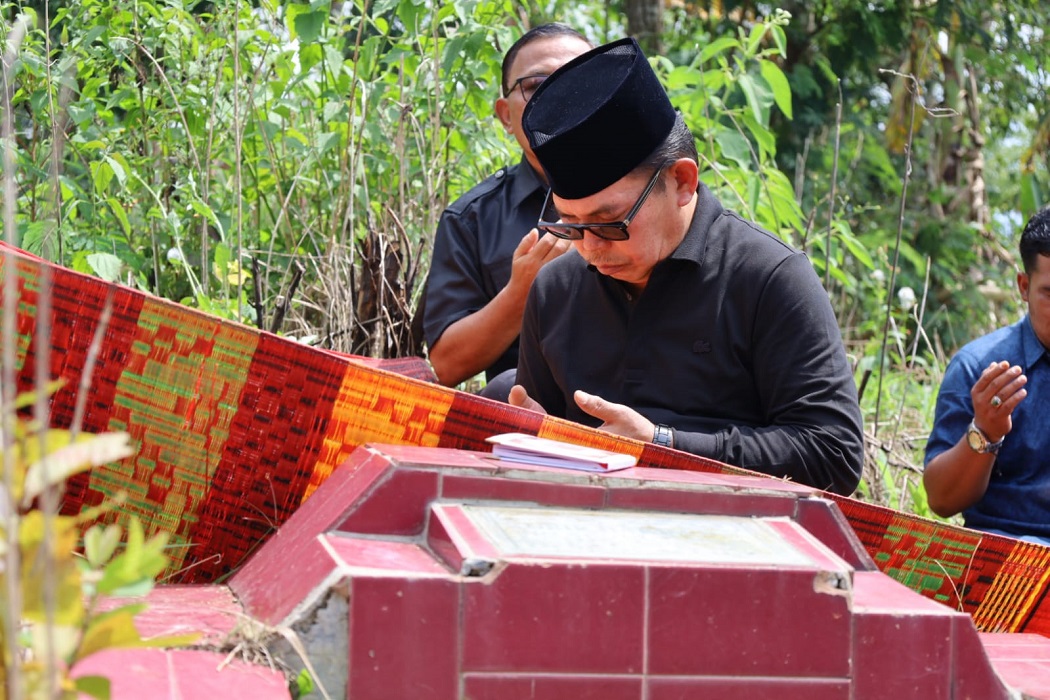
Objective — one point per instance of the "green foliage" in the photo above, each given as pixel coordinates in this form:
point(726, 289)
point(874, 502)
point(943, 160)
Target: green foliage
point(727, 93)
point(934, 90)
point(206, 152)
point(285, 163)
point(303, 684)
point(58, 589)
point(188, 153)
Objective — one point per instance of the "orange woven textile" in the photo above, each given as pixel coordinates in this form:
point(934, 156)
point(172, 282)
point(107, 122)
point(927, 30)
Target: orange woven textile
point(236, 427)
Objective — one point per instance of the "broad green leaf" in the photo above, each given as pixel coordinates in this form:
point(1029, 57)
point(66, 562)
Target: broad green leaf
point(119, 170)
point(334, 110)
point(110, 631)
point(779, 84)
point(328, 141)
point(780, 38)
point(94, 686)
point(293, 135)
point(765, 139)
point(681, 78)
point(60, 569)
point(309, 25)
point(754, 191)
point(755, 93)
point(81, 112)
point(757, 32)
point(453, 53)
point(135, 567)
point(100, 542)
point(34, 235)
point(105, 265)
point(208, 213)
point(1031, 197)
point(734, 146)
point(303, 23)
point(28, 398)
point(713, 81)
point(782, 199)
point(840, 276)
point(101, 176)
point(917, 259)
point(310, 55)
point(855, 247)
point(236, 275)
point(80, 264)
point(716, 47)
point(410, 12)
point(122, 216)
point(449, 10)
point(221, 259)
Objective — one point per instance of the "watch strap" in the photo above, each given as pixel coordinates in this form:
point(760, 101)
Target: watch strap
point(987, 446)
point(663, 436)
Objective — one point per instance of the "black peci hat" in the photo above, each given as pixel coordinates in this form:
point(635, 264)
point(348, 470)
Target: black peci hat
point(597, 118)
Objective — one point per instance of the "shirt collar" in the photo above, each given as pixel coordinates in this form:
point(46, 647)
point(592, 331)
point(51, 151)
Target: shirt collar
point(526, 183)
point(694, 245)
point(1031, 348)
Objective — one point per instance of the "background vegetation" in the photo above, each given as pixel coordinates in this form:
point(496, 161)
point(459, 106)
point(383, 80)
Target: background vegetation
point(284, 163)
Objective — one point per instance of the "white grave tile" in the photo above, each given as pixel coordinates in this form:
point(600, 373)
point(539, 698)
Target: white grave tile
point(627, 535)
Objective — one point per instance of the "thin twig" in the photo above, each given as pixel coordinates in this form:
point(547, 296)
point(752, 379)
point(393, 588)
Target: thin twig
point(257, 293)
point(834, 184)
point(89, 364)
point(913, 88)
point(11, 612)
point(285, 302)
point(238, 148)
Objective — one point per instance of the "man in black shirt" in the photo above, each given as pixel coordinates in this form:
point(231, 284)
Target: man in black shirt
point(482, 265)
point(674, 321)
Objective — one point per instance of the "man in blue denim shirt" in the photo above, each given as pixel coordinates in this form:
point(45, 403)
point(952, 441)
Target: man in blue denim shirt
point(989, 453)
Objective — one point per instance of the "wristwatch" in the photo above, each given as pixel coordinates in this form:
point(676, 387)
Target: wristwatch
point(663, 436)
point(980, 443)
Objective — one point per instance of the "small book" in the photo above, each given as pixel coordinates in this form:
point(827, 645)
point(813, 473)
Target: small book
point(529, 449)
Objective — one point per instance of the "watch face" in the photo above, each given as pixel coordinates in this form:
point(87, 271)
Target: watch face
point(976, 440)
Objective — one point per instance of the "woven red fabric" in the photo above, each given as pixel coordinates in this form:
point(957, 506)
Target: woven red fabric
point(236, 427)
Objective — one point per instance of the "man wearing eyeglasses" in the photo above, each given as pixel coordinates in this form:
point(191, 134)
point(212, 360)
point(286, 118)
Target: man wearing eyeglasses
point(678, 322)
point(486, 252)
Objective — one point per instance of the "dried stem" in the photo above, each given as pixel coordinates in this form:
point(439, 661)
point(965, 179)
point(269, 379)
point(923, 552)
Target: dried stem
point(12, 610)
point(834, 184)
point(913, 87)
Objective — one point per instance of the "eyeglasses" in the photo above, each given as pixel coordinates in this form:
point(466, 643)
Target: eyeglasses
point(528, 85)
point(611, 231)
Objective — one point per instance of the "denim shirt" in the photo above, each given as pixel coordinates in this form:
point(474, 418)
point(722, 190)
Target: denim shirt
point(1018, 497)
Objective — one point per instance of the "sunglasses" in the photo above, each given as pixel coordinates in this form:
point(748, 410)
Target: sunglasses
point(550, 221)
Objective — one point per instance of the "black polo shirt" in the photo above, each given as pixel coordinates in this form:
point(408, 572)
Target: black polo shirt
point(733, 343)
point(474, 249)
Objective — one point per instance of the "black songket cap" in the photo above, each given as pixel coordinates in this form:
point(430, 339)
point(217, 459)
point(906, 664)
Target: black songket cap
point(597, 118)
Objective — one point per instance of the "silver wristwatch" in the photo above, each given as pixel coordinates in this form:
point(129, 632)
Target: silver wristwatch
point(980, 443)
point(663, 436)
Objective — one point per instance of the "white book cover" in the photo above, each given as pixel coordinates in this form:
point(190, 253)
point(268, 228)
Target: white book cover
point(529, 449)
